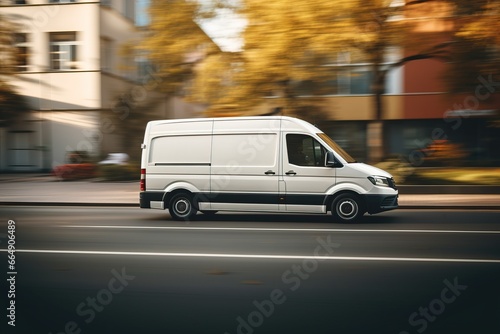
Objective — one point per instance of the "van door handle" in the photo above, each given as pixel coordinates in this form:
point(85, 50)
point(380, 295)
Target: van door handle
point(269, 172)
point(291, 172)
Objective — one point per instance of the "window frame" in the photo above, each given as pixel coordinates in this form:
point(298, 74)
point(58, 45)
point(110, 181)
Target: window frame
point(65, 47)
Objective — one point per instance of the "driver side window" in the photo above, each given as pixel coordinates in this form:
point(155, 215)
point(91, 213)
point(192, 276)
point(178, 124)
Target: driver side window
point(304, 150)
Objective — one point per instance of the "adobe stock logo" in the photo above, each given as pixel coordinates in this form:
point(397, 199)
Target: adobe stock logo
point(436, 307)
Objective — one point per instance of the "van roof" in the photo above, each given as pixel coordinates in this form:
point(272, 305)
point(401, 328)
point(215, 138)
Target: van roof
point(296, 121)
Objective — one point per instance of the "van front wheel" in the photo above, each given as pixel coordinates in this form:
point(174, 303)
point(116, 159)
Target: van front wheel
point(347, 208)
point(181, 207)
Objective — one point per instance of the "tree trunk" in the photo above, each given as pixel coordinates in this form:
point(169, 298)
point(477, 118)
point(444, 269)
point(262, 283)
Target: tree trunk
point(375, 128)
point(375, 142)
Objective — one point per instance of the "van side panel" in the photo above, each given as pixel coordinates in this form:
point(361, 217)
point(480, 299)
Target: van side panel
point(179, 159)
point(245, 159)
point(180, 150)
point(179, 154)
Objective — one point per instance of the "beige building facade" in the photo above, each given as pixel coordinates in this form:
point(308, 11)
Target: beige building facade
point(72, 71)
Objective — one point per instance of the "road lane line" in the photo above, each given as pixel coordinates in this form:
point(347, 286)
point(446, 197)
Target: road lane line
point(257, 256)
point(180, 228)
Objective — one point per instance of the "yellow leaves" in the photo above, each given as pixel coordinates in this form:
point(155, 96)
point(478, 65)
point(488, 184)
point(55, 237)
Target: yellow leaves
point(484, 26)
point(173, 29)
point(8, 53)
point(286, 41)
point(175, 42)
point(292, 40)
point(282, 32)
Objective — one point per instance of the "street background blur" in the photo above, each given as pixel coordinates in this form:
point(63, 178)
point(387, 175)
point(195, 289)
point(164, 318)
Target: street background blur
point(411, 86)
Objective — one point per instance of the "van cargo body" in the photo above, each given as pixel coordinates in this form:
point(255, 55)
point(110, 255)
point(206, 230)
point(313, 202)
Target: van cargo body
point(259, 164)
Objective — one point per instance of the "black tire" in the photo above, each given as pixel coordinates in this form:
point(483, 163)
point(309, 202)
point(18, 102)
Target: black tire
point(347, 208)
point(181, 206)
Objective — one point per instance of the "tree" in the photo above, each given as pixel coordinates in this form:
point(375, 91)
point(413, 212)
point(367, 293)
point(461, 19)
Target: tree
point(131, 111)
point(175, 43)
point(296, 45)
point(288, 43)
point(478, 47)
point(7, 49)
point(294, 41)
point(482, 25)
point(11, 104)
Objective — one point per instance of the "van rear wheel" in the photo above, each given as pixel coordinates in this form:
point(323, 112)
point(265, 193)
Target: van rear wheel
point(181, 207)
point(347, 208)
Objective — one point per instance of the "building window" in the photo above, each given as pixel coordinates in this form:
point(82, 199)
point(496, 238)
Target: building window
point(63, 51)
point(144, 68)
point(22, 57)
point(354, 80)
point(61, 1)
point(352, 74)
point(346, 80)
point(19, 2)
point(129, 10)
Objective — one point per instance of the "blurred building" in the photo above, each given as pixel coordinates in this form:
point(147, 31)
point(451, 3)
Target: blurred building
point(82, 85)
point(70, 70)
point(76, 75)
point(418, 108)
point(428, 115)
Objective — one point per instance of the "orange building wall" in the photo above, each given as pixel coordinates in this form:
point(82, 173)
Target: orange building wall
point(432, 106)
point(424, 76)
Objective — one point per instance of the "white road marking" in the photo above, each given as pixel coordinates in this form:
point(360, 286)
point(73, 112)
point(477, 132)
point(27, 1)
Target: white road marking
point(193, 228)
point(257, 256)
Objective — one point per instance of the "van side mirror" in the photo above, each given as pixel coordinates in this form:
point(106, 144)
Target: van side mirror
point(331, 161)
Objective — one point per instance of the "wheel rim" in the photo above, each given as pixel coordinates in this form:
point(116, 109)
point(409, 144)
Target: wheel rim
point(182, 207)
point(347, 208)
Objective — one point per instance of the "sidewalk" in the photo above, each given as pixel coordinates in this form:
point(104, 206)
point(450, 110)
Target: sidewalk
point(46, 190)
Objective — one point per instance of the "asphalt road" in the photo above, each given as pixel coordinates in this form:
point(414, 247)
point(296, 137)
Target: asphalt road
point(127, 270)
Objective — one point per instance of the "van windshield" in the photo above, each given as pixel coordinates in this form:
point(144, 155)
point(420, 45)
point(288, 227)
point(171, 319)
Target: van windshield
point(334, 146)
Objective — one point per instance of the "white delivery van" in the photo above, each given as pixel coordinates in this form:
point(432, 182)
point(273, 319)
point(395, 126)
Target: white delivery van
point(256, 164)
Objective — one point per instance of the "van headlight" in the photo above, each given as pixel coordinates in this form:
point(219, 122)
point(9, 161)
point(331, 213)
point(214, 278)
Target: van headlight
point(379, 181)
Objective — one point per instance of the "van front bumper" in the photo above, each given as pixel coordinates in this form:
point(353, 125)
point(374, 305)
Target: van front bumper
point(379, 203)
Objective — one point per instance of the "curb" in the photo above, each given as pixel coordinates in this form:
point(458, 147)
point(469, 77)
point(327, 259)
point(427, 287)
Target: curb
point(450, 207)
point(448, 190)
point(124, 205)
